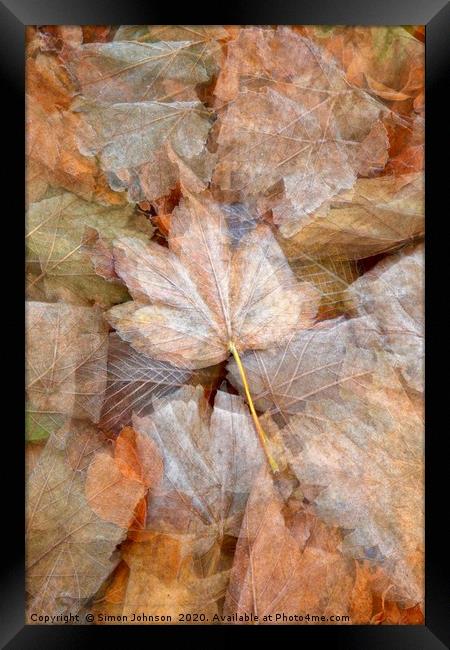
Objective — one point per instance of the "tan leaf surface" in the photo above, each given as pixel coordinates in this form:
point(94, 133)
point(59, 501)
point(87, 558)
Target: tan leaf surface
point(53, 158)
point(204, 293)
point(388, 62)
point(116, 483)
point(162, 582)
point(148, 146)
point(377, 215)
point(286, 563)
point(367, 454)
point(322, 362)
point(66, 360)
point(135, 380)
point(392, 293)
point(127, 71)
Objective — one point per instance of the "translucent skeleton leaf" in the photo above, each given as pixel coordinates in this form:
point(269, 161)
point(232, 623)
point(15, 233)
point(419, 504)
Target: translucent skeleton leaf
point(136, 380)
point(211, 457)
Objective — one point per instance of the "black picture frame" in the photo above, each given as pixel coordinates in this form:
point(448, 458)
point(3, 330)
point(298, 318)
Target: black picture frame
point(15, 15)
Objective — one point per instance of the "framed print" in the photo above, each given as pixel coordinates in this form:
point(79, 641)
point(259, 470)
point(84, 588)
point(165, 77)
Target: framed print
point(225, 271)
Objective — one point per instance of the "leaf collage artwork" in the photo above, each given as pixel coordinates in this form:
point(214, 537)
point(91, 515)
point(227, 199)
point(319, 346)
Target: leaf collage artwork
point(224, 325)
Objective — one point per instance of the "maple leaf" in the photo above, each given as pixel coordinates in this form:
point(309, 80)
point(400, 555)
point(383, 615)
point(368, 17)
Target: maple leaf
point(66, 363)
point(70, 550)
point(58, 233)
point(148, 146)
point(292, 128)
point(207, 300)
point(211, 457)
point(203, 294)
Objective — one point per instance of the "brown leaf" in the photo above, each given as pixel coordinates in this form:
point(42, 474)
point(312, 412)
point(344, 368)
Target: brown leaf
point(115, 484)
point(300, 573)
point(294, 129)
point(53, 158)
point(162, 585)
point(377, 215)
point(70, 550)
point(392, 293)
point(367, 454)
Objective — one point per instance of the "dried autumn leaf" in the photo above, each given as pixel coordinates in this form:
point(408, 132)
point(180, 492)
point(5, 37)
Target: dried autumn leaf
point(148, 146)
point(130, 71)
point(53, 157)
point(203, 293)
point(195, 33)
point(294, 128)
point(66, 363)
point(377, 215)
point(211, 457)
point(367, 454)
point(162, 584)
point(313, 364)
point(70, 550)
point(58, 233)
point(116, 483)
point(286, 565)
point(332, 278)
point(392, 293)
point(386, 61)
point(135, 380)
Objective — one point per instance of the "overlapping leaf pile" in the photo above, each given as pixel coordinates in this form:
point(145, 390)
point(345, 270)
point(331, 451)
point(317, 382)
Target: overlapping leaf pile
point(225, 267)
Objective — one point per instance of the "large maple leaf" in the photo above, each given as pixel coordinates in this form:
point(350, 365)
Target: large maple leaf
point(193, 301)
point(208, 298)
